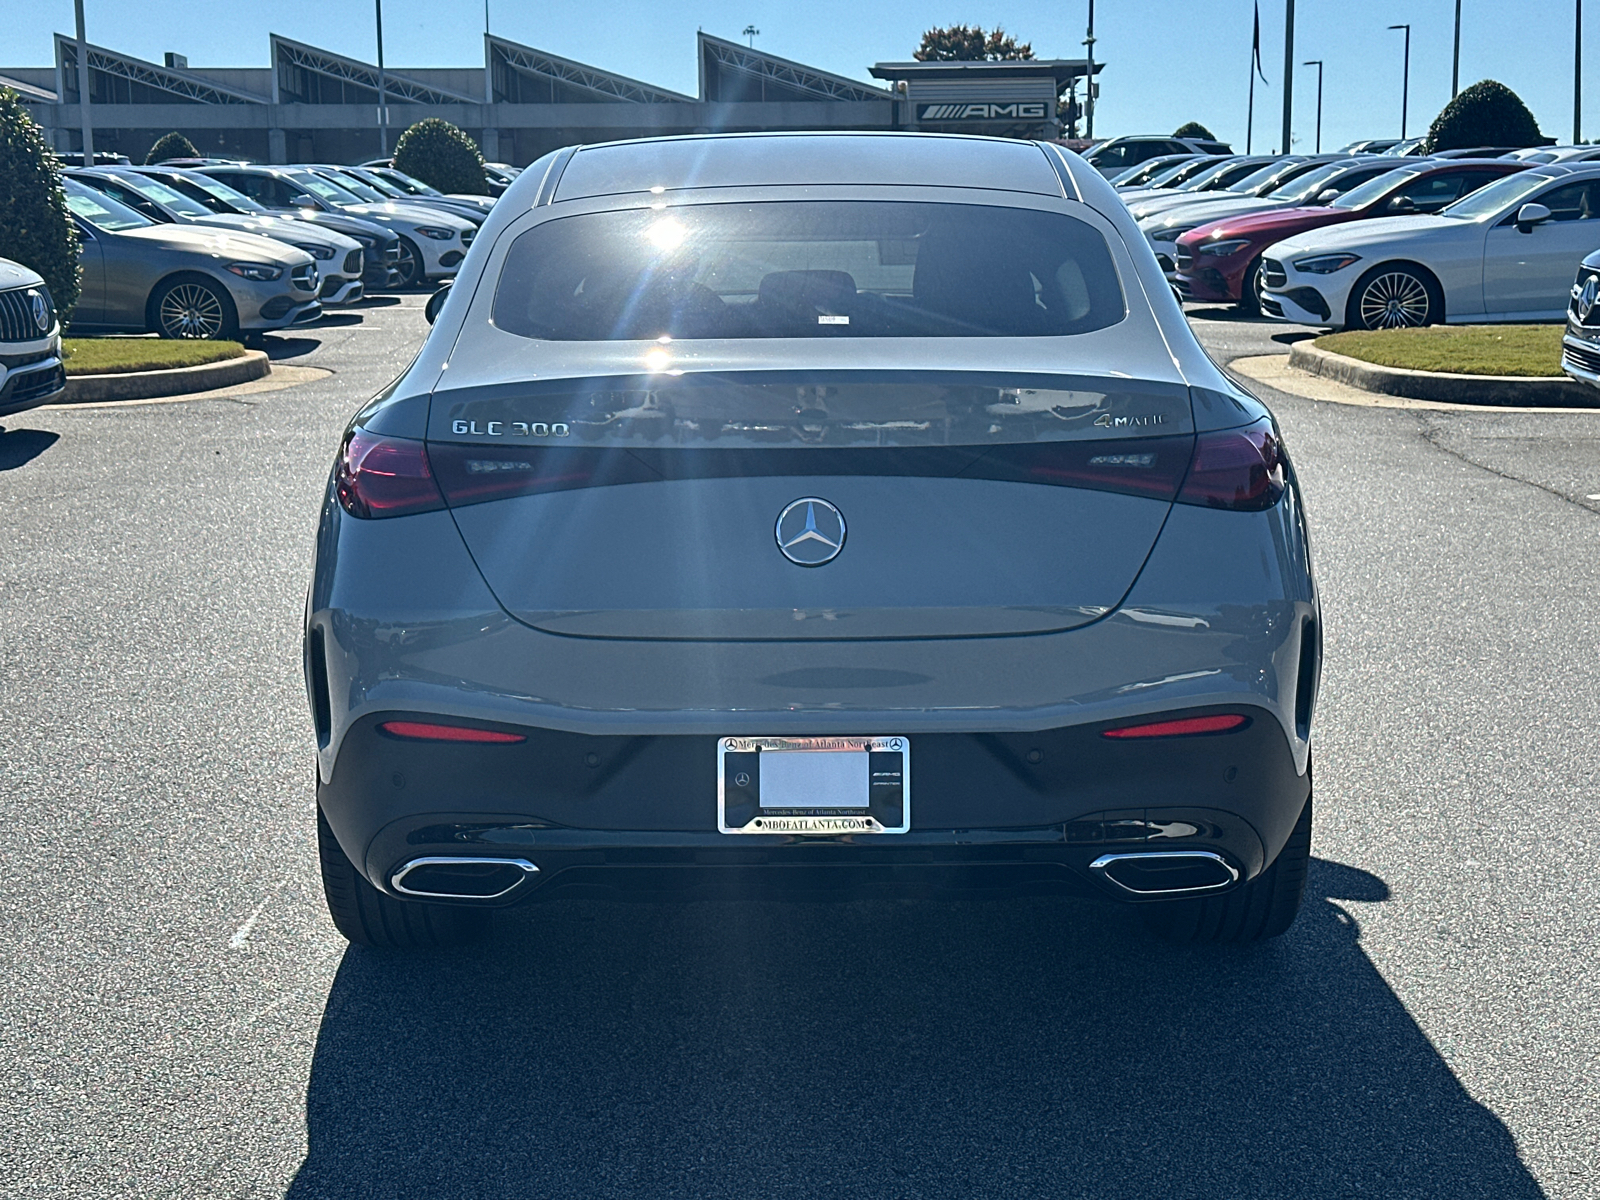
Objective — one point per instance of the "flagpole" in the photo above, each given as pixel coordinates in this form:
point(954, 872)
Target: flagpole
point(1250, 113)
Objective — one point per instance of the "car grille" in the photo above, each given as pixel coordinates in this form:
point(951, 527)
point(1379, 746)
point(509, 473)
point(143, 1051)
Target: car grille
point(391, 254)
point(37, 384)
point(467, 235)
point(1582, 359)
point(16, 315)
point(1185, 260)
point(352, 263)
point(305, 278)
point(1181, 286)
point(1592, 321)
point(1272, 273)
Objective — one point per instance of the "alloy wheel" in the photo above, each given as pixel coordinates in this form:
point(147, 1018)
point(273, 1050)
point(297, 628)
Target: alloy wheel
point(408, 265)
point(1395, 300)
point(191, 311)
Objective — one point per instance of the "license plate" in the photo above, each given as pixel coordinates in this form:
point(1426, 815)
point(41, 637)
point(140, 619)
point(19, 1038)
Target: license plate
point(823, 786)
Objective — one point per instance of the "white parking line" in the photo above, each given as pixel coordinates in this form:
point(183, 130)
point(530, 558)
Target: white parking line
point(242, 934)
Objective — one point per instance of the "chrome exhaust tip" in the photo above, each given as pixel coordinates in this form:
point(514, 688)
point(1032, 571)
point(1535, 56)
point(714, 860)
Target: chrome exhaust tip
point(462, 878)
point(1160, 875)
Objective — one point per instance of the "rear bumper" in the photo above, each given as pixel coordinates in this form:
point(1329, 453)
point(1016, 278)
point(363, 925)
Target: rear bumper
point(638, 813)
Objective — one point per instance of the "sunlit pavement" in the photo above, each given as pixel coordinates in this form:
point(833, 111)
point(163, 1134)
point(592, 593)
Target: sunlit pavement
point(181, 1019)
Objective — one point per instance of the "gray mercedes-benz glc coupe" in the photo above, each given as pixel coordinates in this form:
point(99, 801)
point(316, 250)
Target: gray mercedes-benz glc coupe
point(813, 512)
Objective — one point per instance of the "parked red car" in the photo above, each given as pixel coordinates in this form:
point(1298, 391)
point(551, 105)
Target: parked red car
point(1221, 262)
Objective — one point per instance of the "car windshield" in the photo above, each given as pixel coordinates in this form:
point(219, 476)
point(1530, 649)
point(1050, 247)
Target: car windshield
point(154, 189)
point(205, 185)
point(1135, 176)
point(353, 183)
point(1495, 197)
point(100, 210)
point(1376, 189)
point(406, 183)
point(1306, 188)
point(1198, 181)
point(1261, 179)
point(808, 269)
point(318, 186)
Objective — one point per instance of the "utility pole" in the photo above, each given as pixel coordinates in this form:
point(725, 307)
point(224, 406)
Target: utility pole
point(83, 89)
point(1088, 90)
point(1577, 75)
point(1288, 73)
point(1317, 63)
point(1455, 58)
point(383, 101)
point(1405, 82)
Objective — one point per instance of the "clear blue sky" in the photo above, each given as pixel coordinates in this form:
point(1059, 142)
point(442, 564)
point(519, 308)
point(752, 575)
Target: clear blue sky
point(1169, 60)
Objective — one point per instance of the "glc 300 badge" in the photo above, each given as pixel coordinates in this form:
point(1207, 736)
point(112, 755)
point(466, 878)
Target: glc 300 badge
point(810, 532)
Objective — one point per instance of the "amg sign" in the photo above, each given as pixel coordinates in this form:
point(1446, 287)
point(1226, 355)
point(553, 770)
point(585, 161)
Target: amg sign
point(1024, 110)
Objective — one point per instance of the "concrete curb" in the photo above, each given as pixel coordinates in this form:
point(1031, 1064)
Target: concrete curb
point(146, 385)
point(1490, 391)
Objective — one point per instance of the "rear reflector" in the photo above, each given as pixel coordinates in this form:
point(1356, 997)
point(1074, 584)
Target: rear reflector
point(384, 477)
point(1186, 727)
point(1241, 469)
point(419, 731)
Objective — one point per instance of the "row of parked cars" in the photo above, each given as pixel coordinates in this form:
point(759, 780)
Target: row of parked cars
point(1363, 241)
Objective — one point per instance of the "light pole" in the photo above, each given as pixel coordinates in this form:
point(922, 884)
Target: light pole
point(1288, 73)
point(1577, 74)
point(1088, 83)
point(1455, 57)
point(83, 89)
point(750, 31)
point(383, 105)
point(1317, 63)
point(1405, 81)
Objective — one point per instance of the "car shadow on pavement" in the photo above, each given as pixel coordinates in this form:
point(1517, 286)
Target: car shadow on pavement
point(1010, 1048)
point(19, 447)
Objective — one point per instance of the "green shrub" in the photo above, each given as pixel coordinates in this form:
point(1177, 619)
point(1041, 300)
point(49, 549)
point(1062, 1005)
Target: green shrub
point(1485, 114)
point(442, 156)
point(171, 145)
point(1194, 130)
point(34, 227)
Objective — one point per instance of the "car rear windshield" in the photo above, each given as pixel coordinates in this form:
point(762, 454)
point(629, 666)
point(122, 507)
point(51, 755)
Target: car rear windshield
point(806, 269)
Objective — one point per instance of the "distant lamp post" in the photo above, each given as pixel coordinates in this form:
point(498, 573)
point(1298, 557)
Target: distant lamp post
point(751, 32)
point(83, 88)
point(1405, 81)
point(383, 104)
point(1088, 82)
point(1317, 63)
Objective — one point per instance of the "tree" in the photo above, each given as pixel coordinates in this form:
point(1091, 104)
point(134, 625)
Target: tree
point(170, 145)
point(969, 43)
point(1194, 130)
point(35, 229)
point(1485, 114)
point(442, 156)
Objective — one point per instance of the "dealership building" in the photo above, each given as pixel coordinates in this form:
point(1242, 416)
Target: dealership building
point(312, 105)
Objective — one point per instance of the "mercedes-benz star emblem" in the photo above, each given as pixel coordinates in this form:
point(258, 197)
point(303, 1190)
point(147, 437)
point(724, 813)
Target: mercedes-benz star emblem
point(810, 532)
point(1587, 297)
point(41, 310)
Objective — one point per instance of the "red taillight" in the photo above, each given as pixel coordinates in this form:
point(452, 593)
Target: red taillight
point(422, 731)
point(1185, 727)
point(384, 477)
point(1240, 468)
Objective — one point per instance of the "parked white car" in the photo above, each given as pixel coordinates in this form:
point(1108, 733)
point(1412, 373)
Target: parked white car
point(1506, 252)
point(1117, 154)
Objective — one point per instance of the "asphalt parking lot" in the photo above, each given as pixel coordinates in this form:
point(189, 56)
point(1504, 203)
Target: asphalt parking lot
point(181, 1019)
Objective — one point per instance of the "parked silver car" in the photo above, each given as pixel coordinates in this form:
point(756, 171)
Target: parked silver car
point(30, 341)
point(394, 185)
point(432, 243)
point(183, 283)
point(339, 259)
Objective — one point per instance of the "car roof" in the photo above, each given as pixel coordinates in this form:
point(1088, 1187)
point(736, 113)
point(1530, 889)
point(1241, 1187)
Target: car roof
point(801, 159)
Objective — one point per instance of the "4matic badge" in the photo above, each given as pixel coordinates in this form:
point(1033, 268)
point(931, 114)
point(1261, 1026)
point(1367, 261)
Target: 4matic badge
point(1107, 421)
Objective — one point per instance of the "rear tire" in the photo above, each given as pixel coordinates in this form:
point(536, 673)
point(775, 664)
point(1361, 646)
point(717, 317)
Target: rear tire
point(367, 917)
point(1261, 909)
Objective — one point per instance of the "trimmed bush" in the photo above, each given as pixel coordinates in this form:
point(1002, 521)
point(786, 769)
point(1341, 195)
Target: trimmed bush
point(1485, 114)
point(1194, 130)
point(442, 156)
point(34, 227)
point(170, 145)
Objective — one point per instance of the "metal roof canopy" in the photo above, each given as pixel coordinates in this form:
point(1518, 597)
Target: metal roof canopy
point(719, 56)
point(182, 85)
point(1062, 70)
point(552, 68)
point(398, 89)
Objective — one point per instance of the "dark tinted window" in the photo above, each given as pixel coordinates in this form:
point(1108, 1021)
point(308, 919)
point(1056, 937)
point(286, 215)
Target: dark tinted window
point(1573, 201)
point(1433, 192)
point(800, 269)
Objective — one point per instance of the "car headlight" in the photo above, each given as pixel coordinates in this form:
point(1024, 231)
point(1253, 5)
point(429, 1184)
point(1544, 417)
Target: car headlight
point(1169, 235)
point(1222, 248)
point(315, 251)
point(1325, 264)
point(438, 235)
point(261, 272)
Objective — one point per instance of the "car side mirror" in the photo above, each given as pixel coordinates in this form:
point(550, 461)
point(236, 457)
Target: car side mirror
point(303, 201)
point(1401, 205)
point(436, 301)
point(1530, 215)
point(1328, 195)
